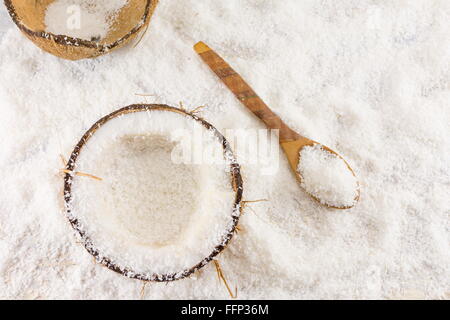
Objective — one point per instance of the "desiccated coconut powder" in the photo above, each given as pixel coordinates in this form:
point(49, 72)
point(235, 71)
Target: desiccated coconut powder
point(84, 19)
point(327, 177)
point(356, 75)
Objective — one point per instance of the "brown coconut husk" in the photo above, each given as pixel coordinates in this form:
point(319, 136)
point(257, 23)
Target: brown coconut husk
point(236, 185)
point(29, 16)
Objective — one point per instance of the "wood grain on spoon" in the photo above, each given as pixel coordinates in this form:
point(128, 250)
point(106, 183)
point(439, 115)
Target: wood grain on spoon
point(244, 92)
point(291, 141)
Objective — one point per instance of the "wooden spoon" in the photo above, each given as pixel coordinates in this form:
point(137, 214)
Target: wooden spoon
point(291, 141)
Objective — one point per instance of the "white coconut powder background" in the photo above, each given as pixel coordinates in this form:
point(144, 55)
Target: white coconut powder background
point(369, 79)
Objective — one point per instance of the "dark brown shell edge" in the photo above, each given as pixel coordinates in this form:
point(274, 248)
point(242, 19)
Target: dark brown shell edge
point(100, 49)
point(237, 184)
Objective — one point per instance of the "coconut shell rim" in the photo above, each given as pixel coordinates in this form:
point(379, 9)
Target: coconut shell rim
point(78, 42)
point(237, 184)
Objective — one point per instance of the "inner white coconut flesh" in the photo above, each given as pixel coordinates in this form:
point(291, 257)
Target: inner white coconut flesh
point(84, 19)
point(150, 212)
point(150, 193)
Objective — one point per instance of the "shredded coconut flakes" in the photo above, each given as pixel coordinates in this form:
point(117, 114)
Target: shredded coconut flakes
point(327, 177)
point(84, 19)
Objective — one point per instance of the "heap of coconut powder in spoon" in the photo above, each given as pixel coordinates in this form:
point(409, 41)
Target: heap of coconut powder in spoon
point(84, 19)
point(327, 177)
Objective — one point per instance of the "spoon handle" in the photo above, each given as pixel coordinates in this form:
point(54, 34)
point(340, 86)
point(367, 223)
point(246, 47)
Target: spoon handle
point(244, 92)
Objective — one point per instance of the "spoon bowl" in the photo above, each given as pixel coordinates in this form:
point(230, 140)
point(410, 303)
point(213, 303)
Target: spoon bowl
point(292, 150)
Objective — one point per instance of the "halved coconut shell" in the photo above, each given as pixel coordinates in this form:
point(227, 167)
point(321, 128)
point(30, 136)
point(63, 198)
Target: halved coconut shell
point(236, 185)
point(29, 16)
